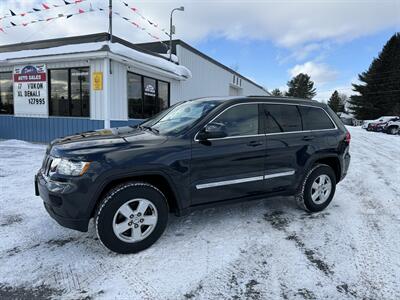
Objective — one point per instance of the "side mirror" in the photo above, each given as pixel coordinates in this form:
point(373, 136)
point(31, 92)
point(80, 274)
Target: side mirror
point(212, 131)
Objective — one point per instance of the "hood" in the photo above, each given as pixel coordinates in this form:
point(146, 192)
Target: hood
point(101, 141)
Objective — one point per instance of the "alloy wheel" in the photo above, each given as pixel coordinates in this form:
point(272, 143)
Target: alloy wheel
point(135, 220)
point(321, 189)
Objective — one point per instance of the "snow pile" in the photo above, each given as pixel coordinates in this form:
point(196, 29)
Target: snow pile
point(115, 48)
point(266, 249)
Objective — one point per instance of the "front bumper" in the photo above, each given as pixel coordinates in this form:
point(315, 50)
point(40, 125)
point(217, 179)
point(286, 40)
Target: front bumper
point(60, 200)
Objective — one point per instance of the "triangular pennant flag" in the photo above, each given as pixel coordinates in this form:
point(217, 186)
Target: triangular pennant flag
point(1, 29)
point(150, 22)
point(135, 24)
point(67, 3)
point(81, 11)
point(13, 24)
point(24, 24)
point(125, 18)
point(69, 16)
point(22, 15)
point(134, 9)
point(101, 9)
point(45, 6)
point(12, 13)
point(37, 9)
point(126, 4)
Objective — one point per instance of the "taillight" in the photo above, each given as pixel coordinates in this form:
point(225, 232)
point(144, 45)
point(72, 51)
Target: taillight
point(347, 138)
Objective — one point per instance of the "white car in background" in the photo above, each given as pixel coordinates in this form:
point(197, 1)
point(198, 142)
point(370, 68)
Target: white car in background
point(392, 127)
point(379, 120)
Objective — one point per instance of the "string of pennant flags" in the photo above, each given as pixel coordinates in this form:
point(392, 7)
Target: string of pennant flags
point(59, 16)
point(46, 7)
point(137, 25)
point(137, 12)
point(43, 7)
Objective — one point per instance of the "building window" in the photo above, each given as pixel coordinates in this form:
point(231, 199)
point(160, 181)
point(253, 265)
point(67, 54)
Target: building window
point(146, 96)
point(69, 91)
point(6, 94)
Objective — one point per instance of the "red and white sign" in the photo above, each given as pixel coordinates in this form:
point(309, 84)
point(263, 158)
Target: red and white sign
point(30, 90)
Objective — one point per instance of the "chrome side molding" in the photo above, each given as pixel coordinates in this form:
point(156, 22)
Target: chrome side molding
point(243, 180)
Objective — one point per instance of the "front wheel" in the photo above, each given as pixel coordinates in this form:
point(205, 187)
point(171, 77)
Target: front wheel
point(131, 217)
point(317, 189)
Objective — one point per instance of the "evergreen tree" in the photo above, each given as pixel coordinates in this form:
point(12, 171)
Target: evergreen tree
point(301, 86)
point(334, 102)
point(276, 92)
point(379, 91)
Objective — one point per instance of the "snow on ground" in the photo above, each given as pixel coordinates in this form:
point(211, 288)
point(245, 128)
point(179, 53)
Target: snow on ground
point(255, 250)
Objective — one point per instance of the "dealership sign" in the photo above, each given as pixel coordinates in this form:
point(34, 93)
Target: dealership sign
point(30, 90)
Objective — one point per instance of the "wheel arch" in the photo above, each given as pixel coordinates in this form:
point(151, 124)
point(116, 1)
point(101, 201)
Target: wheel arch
point(331, 161)
point(157, 179)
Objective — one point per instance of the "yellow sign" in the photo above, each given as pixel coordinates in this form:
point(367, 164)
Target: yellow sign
point(97, 81)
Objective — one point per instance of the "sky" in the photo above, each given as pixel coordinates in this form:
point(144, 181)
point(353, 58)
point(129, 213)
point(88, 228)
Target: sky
point(264, 40)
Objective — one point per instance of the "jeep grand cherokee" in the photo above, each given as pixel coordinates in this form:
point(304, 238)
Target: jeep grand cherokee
point(196, 153)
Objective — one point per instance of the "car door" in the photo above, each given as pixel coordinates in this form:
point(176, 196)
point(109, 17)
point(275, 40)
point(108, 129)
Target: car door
point(286, 146)
point(233, 166)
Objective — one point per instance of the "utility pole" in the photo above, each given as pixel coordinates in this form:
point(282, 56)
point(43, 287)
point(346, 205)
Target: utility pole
point(110, 23)
point(172, 30)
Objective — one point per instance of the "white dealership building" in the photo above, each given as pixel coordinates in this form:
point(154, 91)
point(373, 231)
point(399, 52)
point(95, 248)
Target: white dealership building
point(58, 87)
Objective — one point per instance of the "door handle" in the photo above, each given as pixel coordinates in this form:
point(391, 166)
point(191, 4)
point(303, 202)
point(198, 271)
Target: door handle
point(254, 143)
point(308, 138)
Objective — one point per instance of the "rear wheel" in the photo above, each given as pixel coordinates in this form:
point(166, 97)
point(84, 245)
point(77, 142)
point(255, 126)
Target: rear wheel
point(131, 217)
point(317, 189)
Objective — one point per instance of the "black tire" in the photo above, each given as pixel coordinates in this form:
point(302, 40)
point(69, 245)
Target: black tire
point(303, 196)
point(393, 130)
point(112, 202)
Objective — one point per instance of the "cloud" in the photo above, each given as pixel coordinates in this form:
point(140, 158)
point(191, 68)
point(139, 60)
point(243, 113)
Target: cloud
point(290, 24)
point(320, 73)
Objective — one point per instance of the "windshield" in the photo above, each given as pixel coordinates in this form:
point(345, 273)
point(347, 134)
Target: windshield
point(180, 117)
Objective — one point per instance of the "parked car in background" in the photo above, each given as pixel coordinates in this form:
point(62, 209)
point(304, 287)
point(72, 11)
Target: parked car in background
point(379, 124)
point(195, 154)
point(392, 127)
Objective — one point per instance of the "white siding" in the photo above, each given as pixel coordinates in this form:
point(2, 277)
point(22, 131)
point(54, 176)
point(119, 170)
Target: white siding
point(208, 79)
point(118, 92)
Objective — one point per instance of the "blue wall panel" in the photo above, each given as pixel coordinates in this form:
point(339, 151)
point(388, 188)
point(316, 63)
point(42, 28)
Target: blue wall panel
point(44, 129)
point(131, 122)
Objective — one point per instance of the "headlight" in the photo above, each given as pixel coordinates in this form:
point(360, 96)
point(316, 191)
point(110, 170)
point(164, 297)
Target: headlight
point(67, 167)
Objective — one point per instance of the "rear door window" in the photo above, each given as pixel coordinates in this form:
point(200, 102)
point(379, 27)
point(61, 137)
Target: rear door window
point(315, 118)
point(282, 118)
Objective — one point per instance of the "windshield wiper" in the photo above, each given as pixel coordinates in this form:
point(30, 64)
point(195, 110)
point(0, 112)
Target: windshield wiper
point(150, 128)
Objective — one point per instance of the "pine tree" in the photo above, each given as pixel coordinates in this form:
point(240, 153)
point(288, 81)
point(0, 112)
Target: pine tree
point(334, 102)
point(379, 91)
point(301, 86)
point(276, 92)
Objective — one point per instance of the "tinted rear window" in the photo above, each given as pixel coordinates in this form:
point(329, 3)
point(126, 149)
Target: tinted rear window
point(315, 118)
point(282, 118)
